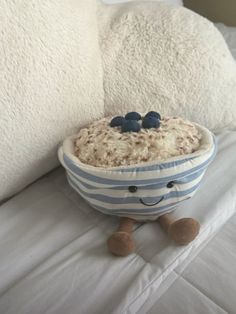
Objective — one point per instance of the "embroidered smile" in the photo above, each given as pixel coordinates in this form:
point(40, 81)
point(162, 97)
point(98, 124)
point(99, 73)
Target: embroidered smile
point(153, 204)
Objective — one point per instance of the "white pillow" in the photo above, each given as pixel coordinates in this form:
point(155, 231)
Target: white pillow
point(51, 83)
point(168, 59)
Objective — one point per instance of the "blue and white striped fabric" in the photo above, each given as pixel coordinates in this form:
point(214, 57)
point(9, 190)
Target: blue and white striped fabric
point(107, 189)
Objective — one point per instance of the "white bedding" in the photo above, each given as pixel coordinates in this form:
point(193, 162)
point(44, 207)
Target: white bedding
point(53, 253)
point(207, 285)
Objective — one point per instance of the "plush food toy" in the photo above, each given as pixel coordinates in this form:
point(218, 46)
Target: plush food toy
point(139, 168)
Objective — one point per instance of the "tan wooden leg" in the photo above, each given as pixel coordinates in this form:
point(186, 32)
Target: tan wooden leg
point(182, 231)
point(120, 242)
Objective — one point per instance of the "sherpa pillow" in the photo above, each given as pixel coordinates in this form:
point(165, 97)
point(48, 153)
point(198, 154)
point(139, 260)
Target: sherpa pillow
point(51, 83)
point(167, 58)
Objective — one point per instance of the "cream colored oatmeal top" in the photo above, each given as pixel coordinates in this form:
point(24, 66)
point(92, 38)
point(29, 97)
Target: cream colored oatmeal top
point(100, 145)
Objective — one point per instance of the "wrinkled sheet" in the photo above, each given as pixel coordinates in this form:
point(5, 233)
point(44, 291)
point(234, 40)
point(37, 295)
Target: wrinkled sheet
point(207, 285)
point(53, 253)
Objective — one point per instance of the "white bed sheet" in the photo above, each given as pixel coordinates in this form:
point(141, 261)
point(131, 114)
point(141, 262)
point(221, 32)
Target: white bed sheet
point(207, 285)
point(53, 253)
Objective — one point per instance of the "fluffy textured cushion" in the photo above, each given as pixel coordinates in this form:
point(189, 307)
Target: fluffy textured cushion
point(51, 83)
point(169, 59)
point(107, 189)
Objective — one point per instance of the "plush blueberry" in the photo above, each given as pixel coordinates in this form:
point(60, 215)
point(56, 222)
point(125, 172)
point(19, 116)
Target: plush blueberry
point(150, 122)
point(153, 114)
point(131, 126)
point(133, 116)
point(117, 121)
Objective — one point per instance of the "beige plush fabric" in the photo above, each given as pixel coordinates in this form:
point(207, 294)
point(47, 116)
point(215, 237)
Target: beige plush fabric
point(169, 59)
point(50, 83)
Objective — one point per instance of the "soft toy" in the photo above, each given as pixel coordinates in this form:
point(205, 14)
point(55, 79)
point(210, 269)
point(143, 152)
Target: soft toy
point(139, 168)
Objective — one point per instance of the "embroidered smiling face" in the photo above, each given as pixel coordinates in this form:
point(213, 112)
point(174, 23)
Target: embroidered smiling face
point(148, 199)
point(162, 196)
point(135, 189)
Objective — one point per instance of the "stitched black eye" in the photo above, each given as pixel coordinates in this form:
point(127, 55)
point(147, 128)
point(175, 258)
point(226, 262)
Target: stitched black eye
point(133, 188)
point(170, 184)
